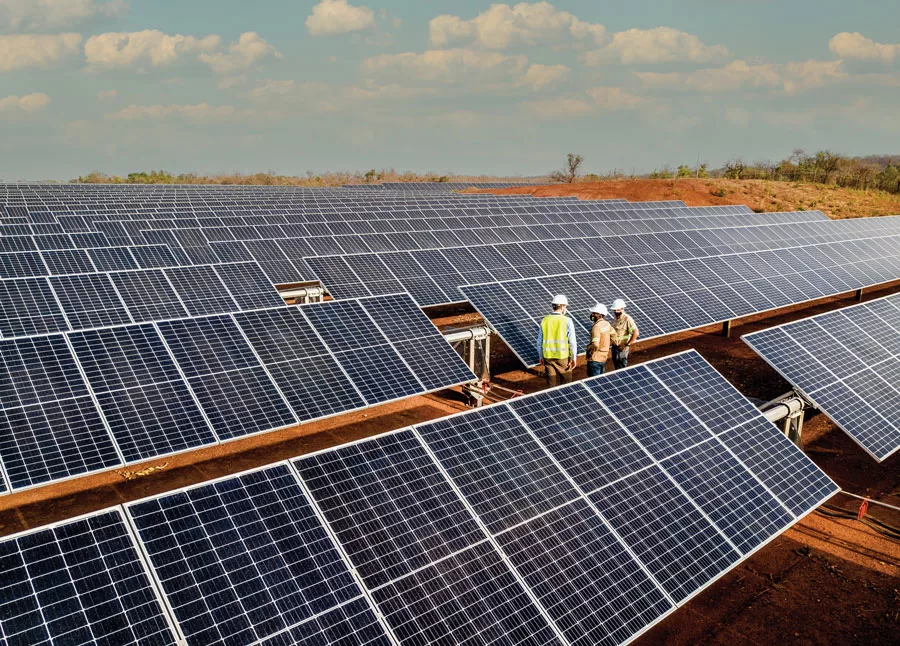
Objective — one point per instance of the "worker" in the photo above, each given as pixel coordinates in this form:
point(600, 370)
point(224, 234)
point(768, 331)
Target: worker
point(625, 332)
point(556, 343)
point(599, 341)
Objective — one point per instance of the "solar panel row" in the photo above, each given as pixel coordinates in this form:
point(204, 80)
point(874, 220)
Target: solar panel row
point(85, 401)
point(26, 264)
point(83, 214)
point(53, 242)
point(193, 245)
point(847, 363)
point(434, 277)
point(677, 296)
point(547, 520)
point(31, 306)
point(283, 258)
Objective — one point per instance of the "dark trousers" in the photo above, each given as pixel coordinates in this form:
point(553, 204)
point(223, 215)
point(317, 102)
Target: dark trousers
point(620, 358)
point(555, 371)
point(595, 368)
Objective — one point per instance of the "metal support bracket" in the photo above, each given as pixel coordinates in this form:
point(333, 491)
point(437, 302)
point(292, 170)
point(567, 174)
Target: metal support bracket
point(789, 409)
point(726, 329)
point(859, 295)
point(474, 344)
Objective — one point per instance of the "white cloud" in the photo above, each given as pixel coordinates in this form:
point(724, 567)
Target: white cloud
point(103, 95)
point(124, 49)
point(455, 119)
point(338, 17)
point(28, 103)
point(789, 119)
point(539, 77)
point(18, 15)
point(857, 47)
point(240, 56)
point(614, 98)
point(737, 116)
point(25, 50)
point(790, 77)
point(447, 66)
point(502, 26)
point(370, 91)
point(651, 46)
point(602, 99)
point(560, 108)
point(201, 112)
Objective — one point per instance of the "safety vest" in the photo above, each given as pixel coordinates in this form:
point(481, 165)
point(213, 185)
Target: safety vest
point(554, 329)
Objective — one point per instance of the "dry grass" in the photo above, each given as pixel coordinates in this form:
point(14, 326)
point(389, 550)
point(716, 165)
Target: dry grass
point(760, 195)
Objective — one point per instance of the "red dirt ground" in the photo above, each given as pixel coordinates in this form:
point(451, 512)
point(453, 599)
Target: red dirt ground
point(825, 581)
point(759, 195)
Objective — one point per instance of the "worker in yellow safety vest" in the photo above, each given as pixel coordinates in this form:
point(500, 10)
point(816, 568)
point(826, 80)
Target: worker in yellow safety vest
point(556, 343)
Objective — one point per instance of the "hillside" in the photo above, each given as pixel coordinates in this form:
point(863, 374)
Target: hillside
point(760, 195)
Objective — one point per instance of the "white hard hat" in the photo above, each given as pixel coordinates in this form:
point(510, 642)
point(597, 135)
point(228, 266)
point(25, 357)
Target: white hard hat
point(559, 299)
point(600, 309)
point(618, 304)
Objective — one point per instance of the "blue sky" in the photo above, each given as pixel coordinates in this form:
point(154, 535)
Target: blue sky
point(292, 86)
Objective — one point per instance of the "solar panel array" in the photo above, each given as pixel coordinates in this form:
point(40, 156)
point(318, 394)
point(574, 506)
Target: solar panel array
point(58, 262)
point(437, 187)
point(563, 517)
point(61, 303)
point(192, 239)
point(847, 363)
point(671, 297)
point(433, 277)
point(80, 402)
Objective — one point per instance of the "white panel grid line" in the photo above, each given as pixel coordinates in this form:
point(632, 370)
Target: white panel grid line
point(673, 605)
point(493, 541)
point(316, 515)
point(815, 395)
point(410, 530)
point(722, 444)
point(664, 471)
point(167, 632)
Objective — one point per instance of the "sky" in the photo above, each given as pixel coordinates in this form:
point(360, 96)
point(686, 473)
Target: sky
point(468, 87)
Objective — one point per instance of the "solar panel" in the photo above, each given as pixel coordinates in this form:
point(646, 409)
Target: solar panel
point(146, 403)
point(735, 289)
point(89, 301)
point(112, 259)
point(498, 466)
point(233, 388)
point(79, 582)
point(583, 437)
point(200, 290)
point(391, 489)
point(660, 423)
point(27, 307)
point(470, 597)
point(377, 368)
point(243, 558)
point(21, 265)
point(728, 494)
point(679, 546)
point(353, 623)
point(49, 426)
point(148, 295)
point(71, 261)
point(591, 586)
point(248, 285)
point(856, 389)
